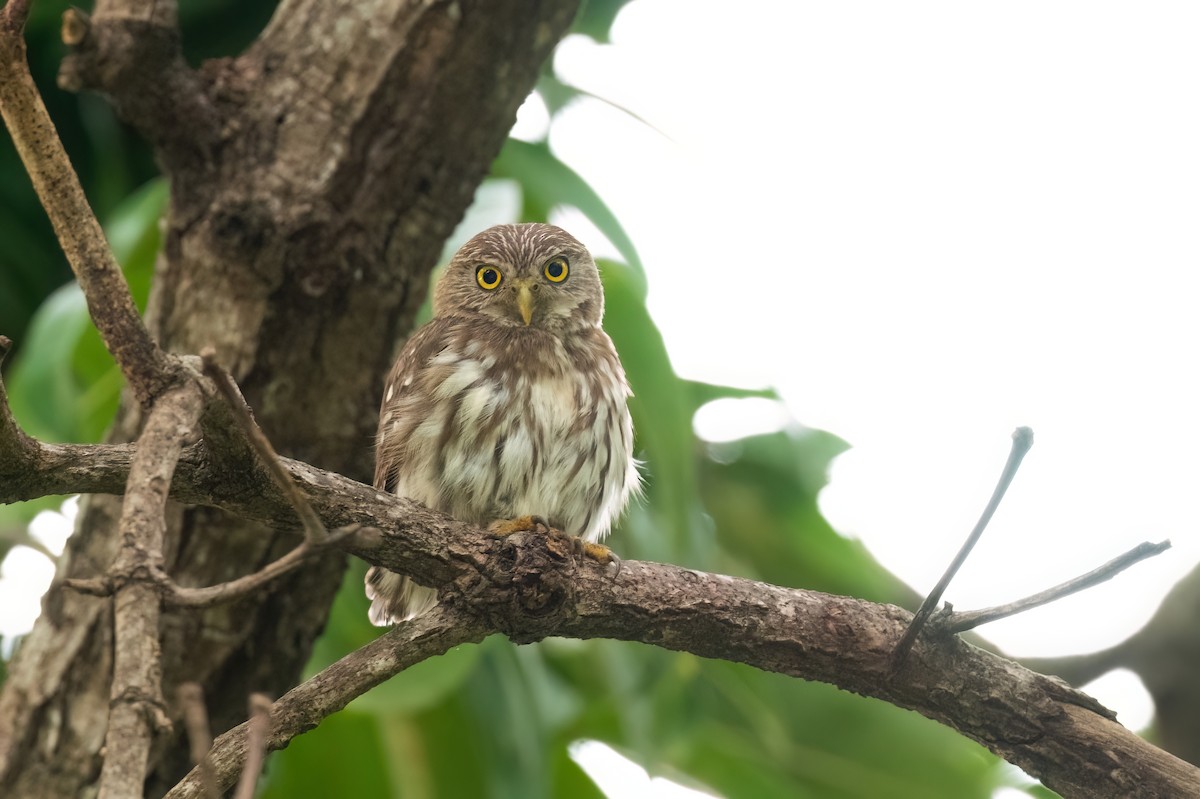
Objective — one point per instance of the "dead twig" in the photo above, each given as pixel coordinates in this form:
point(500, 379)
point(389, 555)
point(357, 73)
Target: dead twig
point(195, 719)
point(235, 589)
point(1022, 441)
point(954, 622)
point(257, 730)
point(314, 530)
point(208, 596)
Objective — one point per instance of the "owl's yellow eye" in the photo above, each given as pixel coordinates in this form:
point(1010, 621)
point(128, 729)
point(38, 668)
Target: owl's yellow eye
point(556, 270)
point(488, 277)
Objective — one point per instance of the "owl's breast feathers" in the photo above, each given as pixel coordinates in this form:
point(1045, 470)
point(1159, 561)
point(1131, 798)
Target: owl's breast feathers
point(484, 421)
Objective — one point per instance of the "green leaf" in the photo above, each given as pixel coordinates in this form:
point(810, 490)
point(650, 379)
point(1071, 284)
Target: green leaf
point(762, 494)
point(703, 393)
point(596, 17)
point(662, 412)
point(44, 390)
point(65, 385)
point(347, 759)
point(569, 779)
point(421, 686)
point(554, 93)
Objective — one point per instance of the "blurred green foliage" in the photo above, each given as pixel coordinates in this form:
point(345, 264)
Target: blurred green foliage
point(111, 160)
point(497, 720)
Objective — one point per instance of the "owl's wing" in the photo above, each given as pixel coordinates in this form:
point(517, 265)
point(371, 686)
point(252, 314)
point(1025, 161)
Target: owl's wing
point(403, 382)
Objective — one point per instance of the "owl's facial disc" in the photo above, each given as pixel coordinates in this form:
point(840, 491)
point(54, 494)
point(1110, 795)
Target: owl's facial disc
point(530, 276)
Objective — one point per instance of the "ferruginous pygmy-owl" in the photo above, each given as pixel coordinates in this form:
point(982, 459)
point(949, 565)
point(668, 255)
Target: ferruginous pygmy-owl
point(509, 403)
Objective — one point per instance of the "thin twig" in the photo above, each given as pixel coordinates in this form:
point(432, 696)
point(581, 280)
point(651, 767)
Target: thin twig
point(1022, 440)
point(208, 596)
point(235, 589)
point(16, 448)
point(93, 586)
point(257, 730)
point(195, 719)
point(147, 368)
point(961, 622)
point(314, 530)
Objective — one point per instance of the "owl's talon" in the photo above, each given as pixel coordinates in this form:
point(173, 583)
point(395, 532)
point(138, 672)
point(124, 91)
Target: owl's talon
point(601, 554)
point(522, 524)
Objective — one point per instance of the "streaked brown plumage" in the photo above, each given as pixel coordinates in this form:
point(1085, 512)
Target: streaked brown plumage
point(510, 402)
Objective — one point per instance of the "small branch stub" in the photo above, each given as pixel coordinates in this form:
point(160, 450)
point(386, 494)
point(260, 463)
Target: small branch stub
point(75, 26)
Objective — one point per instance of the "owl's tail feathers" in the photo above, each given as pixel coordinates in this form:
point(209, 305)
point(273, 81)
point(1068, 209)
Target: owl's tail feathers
point(395, 598)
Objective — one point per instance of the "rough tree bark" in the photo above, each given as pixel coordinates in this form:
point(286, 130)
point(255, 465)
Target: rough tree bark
point(313, 181)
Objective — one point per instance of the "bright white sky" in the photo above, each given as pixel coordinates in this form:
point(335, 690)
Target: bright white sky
point(927, 223)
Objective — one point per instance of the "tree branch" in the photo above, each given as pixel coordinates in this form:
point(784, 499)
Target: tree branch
point(529, 587)
point(136, 699)
point(207, 596)
point(303, 707)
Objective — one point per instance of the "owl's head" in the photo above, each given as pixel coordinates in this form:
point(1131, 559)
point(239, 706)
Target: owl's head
point(523, 275)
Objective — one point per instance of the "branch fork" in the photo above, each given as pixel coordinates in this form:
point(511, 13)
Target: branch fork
point(944, 623)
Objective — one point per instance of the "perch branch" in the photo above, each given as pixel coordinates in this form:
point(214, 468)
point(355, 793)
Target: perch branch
point(954, 623)
point(144, 365)
point(1022, 439)
point(136, 705)
point(527, 589)
point(303, 707)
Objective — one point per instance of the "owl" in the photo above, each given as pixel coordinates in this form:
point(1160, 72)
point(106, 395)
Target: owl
point(510, 403)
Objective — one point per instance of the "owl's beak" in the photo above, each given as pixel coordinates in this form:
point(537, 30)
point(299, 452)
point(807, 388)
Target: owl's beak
point(525, 302)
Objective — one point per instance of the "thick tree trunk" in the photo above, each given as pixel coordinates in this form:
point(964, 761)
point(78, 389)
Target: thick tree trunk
point(314, 179)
